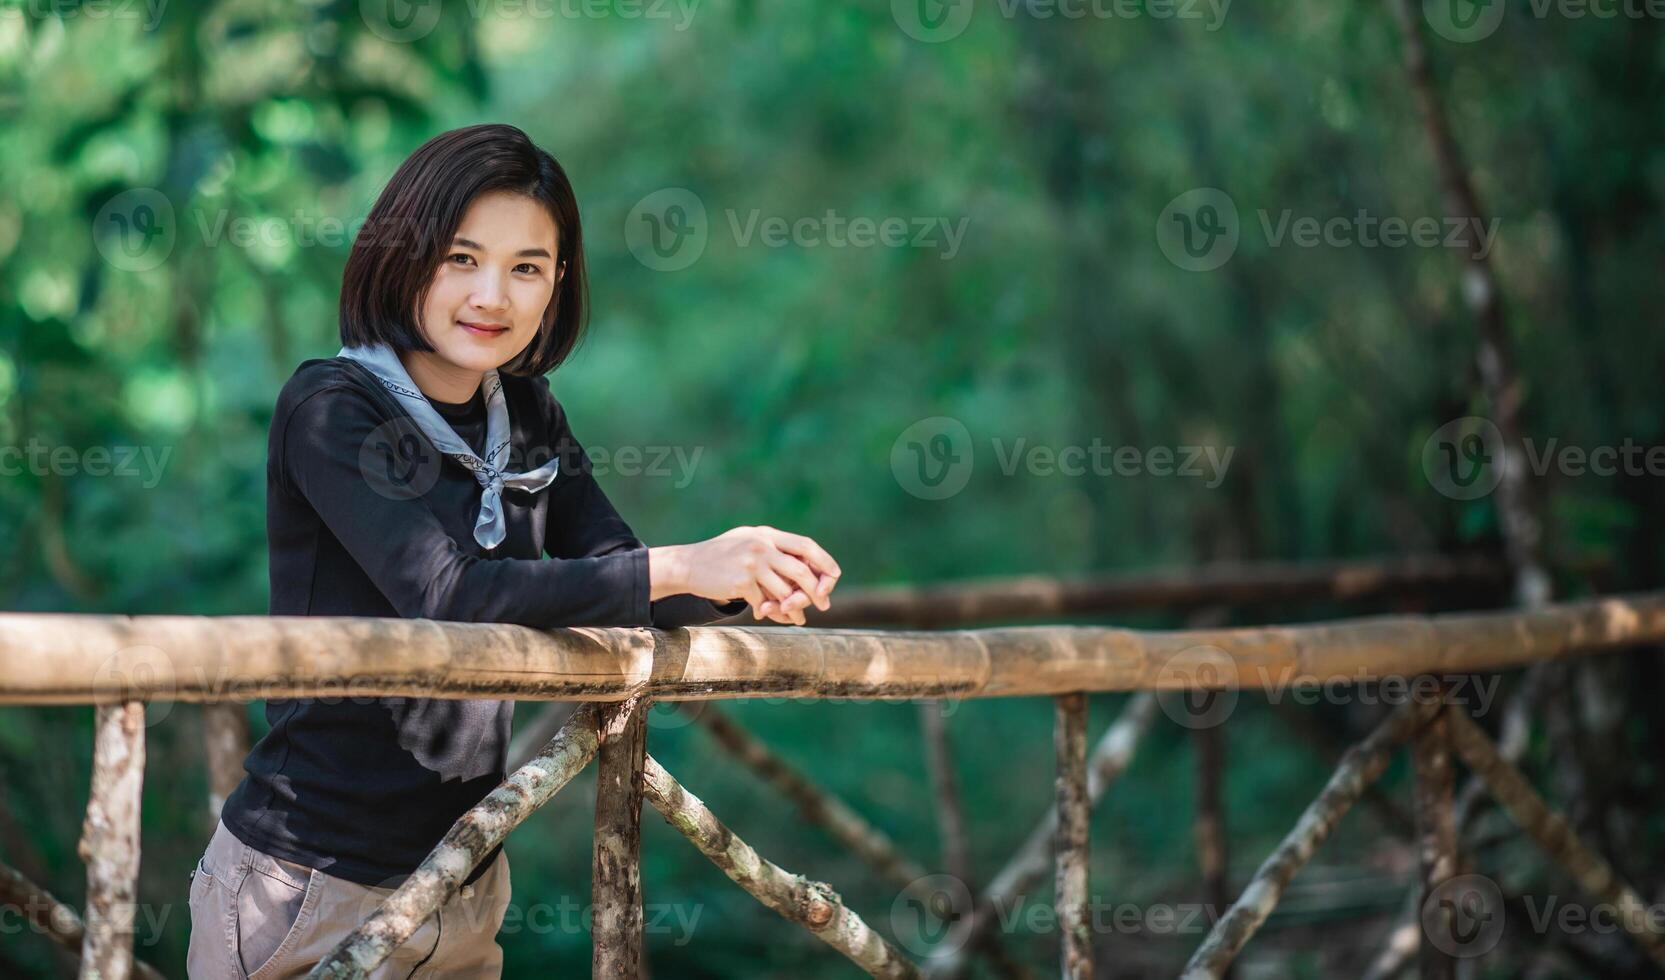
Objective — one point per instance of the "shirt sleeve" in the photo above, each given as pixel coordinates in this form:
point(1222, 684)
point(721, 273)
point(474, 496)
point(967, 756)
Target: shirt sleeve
point(584, 524)
point(331, 452)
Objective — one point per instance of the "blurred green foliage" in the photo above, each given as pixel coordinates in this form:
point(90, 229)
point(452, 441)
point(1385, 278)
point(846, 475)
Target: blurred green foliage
point(793, 370)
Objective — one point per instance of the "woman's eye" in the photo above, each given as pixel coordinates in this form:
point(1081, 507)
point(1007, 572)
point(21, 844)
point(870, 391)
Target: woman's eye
point(463, 258)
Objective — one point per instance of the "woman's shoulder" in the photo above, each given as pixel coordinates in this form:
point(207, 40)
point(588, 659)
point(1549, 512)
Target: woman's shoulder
point(335, 380)
point(320, 375)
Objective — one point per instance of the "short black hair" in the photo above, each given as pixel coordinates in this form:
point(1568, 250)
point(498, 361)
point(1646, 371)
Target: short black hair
point(408, 233)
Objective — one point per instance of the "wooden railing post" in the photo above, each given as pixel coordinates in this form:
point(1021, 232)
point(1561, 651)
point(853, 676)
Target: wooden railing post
point(1436, 828)
point(1555, 835)
point(110, 840)
point(812, 904)
point(1208, 828)
point(225, 740)
point(616, 882)
point(945, 787)
point(1074, 922)
point(1362, 765)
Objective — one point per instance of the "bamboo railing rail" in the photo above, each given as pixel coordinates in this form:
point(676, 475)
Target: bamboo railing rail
point(52, 658)
point(119, 663)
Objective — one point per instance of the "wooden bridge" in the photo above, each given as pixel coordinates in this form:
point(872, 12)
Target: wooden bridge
point(118, 663)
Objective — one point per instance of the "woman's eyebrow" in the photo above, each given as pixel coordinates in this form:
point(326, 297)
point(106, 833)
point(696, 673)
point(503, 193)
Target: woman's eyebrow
point(530, 253)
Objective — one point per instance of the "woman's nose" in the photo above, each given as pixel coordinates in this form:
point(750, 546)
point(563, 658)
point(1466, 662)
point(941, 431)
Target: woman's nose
point(489, 293)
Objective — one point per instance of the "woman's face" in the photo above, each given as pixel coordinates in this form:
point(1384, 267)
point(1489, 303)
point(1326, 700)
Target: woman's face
point(487, 298)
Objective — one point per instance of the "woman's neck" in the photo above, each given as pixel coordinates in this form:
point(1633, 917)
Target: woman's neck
point(438, 378)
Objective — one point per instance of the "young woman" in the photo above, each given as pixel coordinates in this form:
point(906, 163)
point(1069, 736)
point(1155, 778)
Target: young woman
point(427, 471)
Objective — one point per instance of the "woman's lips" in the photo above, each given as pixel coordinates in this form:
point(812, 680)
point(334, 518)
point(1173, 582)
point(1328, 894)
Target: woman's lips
point(482, 329)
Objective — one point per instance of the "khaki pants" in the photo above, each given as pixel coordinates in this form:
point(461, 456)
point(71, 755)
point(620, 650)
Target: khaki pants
point(259, 917)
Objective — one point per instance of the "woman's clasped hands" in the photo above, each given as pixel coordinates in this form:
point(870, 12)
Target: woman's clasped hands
point(779, 573)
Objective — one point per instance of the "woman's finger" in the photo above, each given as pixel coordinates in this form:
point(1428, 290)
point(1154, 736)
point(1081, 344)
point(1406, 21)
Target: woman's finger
point(799, 574)
point(792, 609)
point(774, 587)
point(777, 612)
point(786, 609)
point(808, 550)
point(755, 599)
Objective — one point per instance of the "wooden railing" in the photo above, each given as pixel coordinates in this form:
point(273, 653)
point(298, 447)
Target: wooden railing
point(118, 663)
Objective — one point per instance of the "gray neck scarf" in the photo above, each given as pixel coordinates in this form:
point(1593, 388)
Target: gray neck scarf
point(489, 528)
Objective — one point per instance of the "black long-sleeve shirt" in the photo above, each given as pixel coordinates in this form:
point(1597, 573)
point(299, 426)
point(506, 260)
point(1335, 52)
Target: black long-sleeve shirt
point(366, 518)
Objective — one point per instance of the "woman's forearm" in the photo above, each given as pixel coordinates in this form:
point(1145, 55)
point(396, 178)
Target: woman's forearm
point(667, 571)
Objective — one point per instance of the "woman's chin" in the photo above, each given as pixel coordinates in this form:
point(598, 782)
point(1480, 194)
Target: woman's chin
point(480, 357)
